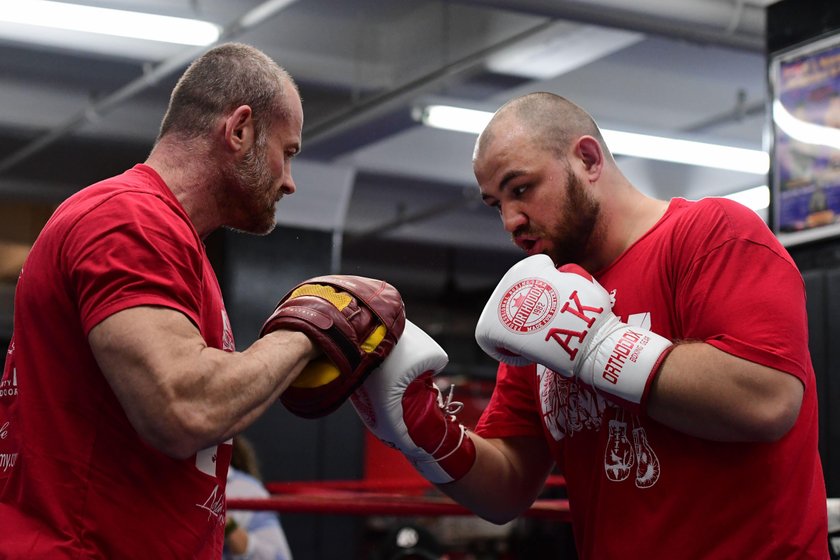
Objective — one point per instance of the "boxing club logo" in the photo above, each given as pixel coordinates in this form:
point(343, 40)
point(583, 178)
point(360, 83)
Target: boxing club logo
point(528, 306)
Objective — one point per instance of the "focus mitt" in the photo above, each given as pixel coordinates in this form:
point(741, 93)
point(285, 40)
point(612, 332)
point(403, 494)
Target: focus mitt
point(356, 321)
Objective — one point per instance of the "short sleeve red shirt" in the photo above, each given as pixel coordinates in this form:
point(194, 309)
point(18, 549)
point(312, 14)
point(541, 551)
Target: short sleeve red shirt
point(712, 271)
point(84, 485)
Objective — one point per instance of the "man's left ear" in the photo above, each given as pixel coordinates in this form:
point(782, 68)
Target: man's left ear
point(591, 155)
point(239, 129)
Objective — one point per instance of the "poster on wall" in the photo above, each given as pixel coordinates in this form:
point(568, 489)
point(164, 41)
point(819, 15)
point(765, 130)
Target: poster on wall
point(805, 174)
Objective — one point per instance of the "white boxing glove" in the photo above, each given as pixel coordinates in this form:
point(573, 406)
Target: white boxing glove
point(563, 320)
point(401, 405)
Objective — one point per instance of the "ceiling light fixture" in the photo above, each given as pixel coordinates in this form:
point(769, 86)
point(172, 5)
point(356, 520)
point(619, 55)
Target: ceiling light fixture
point(120, 23)
point(621, 143)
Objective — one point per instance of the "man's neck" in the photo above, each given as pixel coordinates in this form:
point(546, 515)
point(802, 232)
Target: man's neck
point(625, 223)
point(191, 184)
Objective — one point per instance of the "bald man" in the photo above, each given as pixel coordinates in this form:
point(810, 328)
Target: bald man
point(653, 352)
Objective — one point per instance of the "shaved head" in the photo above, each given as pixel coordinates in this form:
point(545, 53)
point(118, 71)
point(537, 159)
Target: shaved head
point(223, 78)
point(552, 122)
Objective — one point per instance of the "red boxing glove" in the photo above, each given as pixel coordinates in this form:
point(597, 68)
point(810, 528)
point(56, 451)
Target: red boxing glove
point(356, 321)
point(401, 405)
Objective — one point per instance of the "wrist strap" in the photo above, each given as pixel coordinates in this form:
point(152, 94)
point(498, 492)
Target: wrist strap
point(444, 451)
point(624, 364)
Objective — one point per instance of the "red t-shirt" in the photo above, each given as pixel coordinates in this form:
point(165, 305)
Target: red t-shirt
point(711, 271)
point(84, 484)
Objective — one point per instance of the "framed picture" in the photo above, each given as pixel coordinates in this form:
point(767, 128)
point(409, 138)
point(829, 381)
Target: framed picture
point(805, 151)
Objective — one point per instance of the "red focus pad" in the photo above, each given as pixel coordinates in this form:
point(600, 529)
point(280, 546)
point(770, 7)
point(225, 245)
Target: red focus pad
point(356, 321)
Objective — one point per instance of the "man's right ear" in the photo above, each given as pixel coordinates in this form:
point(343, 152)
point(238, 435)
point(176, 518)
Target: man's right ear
point(239, 129)
point(588, 150)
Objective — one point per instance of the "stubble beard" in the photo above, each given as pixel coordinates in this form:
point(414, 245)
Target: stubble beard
point(253, 184)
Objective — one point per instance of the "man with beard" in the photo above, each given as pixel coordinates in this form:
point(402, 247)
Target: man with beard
point(130, 387)
point(676, 329)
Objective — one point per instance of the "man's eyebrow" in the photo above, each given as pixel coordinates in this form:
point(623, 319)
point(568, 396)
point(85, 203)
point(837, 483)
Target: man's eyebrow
point(508, 177)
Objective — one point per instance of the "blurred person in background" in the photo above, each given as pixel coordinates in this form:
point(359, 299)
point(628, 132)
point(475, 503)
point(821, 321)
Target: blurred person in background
point(251, 535)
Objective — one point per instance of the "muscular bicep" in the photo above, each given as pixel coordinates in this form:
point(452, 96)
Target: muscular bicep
point(708, 393)
point(138, 348)
point(147, 355)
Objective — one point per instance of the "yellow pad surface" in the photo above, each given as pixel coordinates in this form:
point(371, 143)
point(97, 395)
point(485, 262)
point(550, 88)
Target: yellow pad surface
point(317, 373)
point(339, 299)
point(374, 339)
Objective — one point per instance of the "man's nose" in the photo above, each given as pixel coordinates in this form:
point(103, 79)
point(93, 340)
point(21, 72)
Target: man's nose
point(512, 217)
point(288, 186)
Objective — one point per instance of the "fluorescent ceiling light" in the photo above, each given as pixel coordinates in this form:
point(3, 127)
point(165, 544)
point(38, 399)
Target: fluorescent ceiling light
point(90, 19)
point(687, 151)
point(455, 118)
point(622, 143)
point(756, 198)
point(804, 131)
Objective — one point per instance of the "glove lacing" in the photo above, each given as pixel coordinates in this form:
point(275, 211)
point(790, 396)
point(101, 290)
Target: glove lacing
point(449, 408)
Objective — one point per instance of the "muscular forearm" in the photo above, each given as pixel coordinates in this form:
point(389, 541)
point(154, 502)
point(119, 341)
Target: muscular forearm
point(506, 478)
point(238, 387)
point(181, 395)
point(707, 393)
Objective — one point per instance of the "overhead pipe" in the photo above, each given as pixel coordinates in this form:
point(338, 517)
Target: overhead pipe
point(732, 23)
point(432, 211)
point(150, 77)
point(380, 103)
